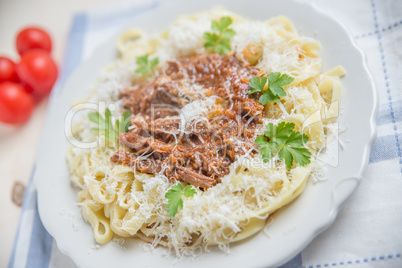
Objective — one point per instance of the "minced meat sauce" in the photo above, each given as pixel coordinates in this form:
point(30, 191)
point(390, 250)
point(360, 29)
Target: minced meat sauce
point(199, 151)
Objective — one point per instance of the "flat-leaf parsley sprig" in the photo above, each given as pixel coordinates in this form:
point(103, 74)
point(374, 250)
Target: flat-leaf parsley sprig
point(274, 90)
point(146, 65)
point(174, 194)
point(219, 40)
point(288, 144)
point(105, 125)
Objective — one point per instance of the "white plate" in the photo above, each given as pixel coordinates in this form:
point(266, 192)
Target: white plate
point(293, 227)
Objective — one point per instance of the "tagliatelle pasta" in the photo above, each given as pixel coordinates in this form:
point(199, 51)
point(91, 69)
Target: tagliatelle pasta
point(117, 199)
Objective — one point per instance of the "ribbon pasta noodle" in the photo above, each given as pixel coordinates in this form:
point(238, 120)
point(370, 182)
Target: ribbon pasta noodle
point(119, 201)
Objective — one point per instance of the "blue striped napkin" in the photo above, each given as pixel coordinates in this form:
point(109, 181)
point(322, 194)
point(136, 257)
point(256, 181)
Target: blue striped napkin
point(367, 232)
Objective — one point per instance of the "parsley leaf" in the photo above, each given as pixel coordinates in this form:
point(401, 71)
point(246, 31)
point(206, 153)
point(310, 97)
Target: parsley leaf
point(219, 41)
point(274, 90)
point(257, 84)
point(174, 194)
point(284, 141)
point(266, 148)
point(268, 97)
point(276, 81)
point(145, 65)
point(105, 124)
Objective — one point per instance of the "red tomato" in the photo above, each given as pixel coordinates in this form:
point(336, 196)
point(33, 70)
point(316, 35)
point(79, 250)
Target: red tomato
point(16, 105)
point(33, 37)
point(7, 70)
point(37, 72)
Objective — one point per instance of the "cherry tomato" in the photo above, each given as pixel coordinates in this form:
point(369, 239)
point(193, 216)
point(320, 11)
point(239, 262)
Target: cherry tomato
point(37, 72)
point(7, 70)
point(33, 37)
point(16, 105)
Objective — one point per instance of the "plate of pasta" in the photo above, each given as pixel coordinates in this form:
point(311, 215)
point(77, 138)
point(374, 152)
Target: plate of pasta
point(215, 133)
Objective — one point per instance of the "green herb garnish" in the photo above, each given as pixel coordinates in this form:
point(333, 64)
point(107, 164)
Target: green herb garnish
point(274, 91)
point(145, 65)
point(219, 40)
point(174, 194)
point(105, 125)
point(285, 142)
